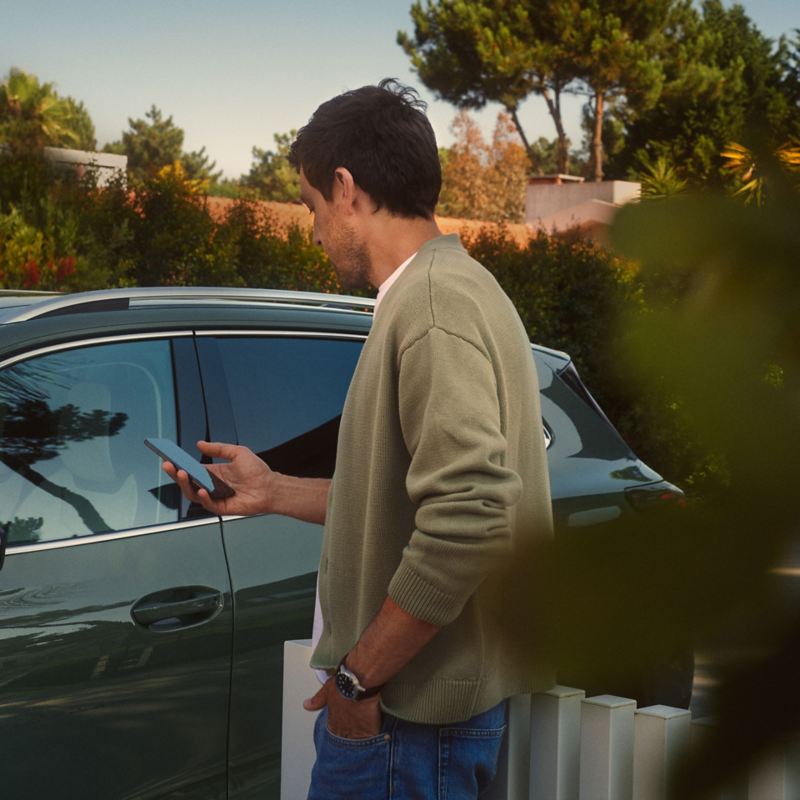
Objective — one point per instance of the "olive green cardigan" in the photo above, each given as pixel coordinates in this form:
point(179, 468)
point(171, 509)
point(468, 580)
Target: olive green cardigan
point(440, 486)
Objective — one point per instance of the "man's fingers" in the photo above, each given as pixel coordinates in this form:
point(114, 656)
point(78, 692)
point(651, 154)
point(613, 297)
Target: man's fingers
point(218, 449)
point(318, 701)
point(180, 477)
point(185, 485)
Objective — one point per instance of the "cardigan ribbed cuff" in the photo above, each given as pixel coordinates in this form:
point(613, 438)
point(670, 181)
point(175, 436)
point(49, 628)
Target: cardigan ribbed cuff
point(422, 599)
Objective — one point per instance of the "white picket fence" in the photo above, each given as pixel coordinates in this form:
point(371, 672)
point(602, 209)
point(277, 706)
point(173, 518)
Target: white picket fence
point(561, 745)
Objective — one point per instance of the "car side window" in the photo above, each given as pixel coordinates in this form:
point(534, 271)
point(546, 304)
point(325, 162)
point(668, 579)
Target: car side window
point(287, 396)
point(72, 461)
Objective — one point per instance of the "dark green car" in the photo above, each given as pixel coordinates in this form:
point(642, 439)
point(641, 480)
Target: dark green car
point(140, 638)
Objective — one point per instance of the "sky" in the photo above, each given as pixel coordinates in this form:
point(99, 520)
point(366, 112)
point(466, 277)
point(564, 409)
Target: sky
point(234, 72)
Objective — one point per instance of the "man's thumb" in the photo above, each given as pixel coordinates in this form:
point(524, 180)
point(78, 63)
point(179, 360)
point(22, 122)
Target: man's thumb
point(318, 701)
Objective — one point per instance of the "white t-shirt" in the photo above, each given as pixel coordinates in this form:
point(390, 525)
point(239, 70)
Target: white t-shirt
point(318, 621)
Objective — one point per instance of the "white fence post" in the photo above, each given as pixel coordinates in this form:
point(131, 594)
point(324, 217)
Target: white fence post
point(556, 744)
point(606, 768)
point(661, 740)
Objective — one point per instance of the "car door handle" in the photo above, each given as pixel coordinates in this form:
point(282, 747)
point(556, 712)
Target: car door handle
point(180, 607)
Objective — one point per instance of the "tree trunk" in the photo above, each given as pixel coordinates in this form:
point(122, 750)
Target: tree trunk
point(554, 107)
point(525, 143)
point(597, 137)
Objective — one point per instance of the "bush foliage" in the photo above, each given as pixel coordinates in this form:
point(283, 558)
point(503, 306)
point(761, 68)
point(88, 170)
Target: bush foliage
point(571, 295)
point(58, 232)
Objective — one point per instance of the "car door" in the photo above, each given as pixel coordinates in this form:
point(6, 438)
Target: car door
point(282, 396)
point(115, 605)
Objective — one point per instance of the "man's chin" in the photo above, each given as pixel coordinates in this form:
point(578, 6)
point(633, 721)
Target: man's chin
point(350, 281)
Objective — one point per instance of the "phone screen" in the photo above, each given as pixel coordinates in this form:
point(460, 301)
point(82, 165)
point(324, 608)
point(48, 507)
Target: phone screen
point(197, 473)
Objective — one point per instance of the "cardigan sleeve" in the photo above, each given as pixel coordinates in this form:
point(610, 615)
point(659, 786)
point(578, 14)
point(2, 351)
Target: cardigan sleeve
point(457, 479)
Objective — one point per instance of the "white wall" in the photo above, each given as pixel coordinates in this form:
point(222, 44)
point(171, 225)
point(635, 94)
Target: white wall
point(107, 164)
point(543, 200)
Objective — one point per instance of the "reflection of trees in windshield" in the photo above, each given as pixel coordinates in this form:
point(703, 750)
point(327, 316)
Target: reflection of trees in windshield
point(21, 530)
point(27, 381)
point(32, 431)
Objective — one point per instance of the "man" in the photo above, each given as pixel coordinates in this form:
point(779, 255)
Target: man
point(440, 483)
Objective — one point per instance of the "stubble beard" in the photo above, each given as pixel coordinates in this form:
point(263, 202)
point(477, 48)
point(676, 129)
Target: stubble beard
point(353, 265)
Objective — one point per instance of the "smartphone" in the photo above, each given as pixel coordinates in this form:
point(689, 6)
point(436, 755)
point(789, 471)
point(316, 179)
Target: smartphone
point(199, 476)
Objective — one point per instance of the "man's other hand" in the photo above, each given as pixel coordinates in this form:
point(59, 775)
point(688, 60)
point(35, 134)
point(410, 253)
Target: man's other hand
point(350, 719)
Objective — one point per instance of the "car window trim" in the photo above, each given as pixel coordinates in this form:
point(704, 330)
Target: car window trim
point(75, 344)
point(360, 337)
point(192, 416)
point(97, 538)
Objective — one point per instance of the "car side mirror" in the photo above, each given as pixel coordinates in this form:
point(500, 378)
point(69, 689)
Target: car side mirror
point(3, 537)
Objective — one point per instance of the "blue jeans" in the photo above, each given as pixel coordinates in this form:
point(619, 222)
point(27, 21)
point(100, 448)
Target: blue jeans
point(409, 761)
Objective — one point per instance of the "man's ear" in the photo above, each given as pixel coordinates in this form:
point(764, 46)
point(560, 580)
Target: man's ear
point(344, 188)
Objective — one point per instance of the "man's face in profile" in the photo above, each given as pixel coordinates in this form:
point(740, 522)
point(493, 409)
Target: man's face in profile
point(338, 238)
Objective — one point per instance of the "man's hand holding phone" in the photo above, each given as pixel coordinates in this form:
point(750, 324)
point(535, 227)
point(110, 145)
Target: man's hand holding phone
point(249, 477)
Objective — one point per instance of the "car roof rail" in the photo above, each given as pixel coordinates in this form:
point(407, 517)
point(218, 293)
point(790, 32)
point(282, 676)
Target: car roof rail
point(27, 293)
point(120, 299)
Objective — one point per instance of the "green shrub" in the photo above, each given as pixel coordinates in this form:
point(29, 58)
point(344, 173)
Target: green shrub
point(568, 292)
point(48, 255)
point(571, 296)
point(173, 240)
point(267, 255)
point(50, 236)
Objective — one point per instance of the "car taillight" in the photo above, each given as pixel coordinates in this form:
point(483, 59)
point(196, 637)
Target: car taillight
point(661, 495)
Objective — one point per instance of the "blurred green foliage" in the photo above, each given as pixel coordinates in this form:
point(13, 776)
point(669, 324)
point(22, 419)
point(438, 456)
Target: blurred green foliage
point(724, 339)
point(570, 294)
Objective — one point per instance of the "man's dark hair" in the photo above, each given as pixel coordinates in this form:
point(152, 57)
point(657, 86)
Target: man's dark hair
point(382, 136)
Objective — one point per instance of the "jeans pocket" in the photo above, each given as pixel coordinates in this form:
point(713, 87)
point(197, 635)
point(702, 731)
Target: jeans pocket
point(467, 760)
point(349, 768)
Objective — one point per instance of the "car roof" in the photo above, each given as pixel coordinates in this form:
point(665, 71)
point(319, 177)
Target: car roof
point(24, 306)
point(85, 312)
point(13, 301)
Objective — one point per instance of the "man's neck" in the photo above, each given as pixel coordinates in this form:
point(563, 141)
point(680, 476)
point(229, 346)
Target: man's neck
point(393, 239)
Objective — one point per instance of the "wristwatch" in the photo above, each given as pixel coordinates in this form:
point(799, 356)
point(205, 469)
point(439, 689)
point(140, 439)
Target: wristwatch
point(349, 685)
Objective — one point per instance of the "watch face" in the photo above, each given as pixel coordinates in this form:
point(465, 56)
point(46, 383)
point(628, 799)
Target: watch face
point(345, 685)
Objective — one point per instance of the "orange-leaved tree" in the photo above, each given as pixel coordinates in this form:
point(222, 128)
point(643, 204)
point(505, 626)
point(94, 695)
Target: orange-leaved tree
point(484, 180)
